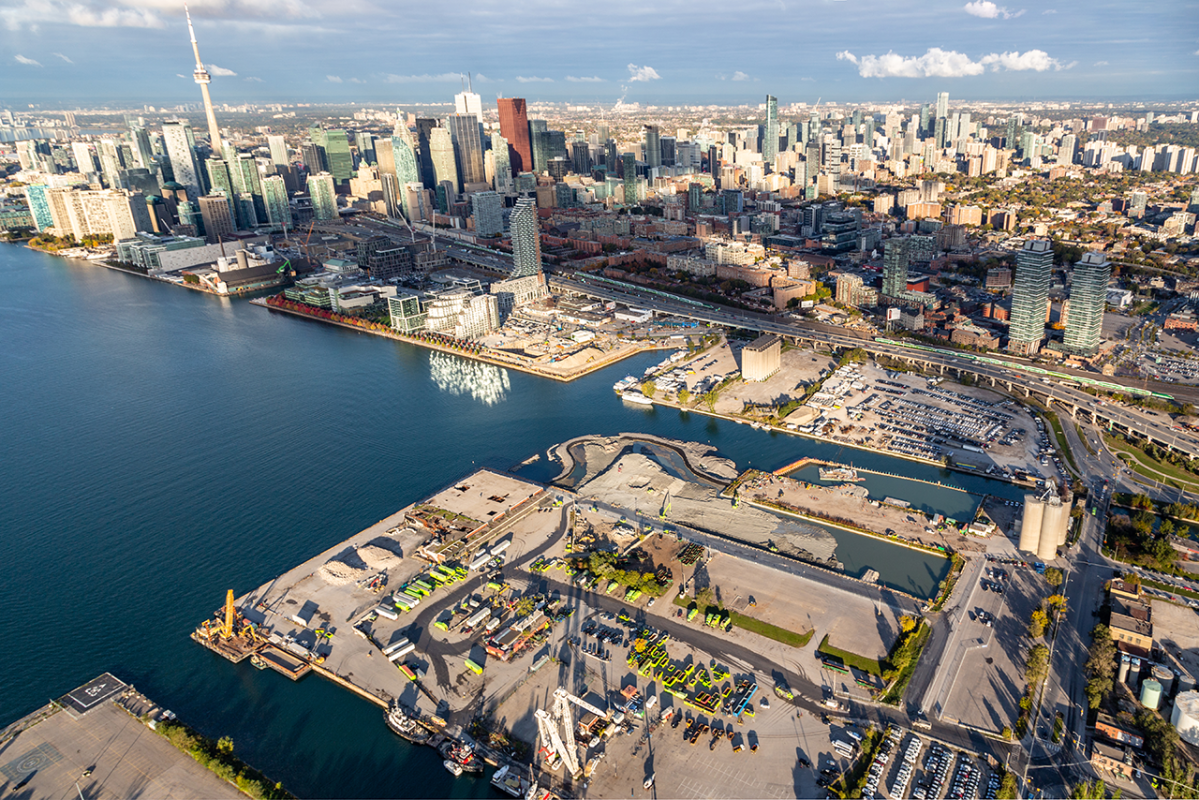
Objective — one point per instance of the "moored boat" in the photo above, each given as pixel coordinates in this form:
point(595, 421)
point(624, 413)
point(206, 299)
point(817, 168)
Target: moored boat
point(509, 781)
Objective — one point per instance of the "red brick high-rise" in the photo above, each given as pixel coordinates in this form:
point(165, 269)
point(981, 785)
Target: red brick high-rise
point(514, 126)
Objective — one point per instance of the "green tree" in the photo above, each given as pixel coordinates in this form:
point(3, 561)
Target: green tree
point(1054, 576)
point(225, 744)
point(684, 396)
point(1089, 791)
point(648, 388)
point(1036, 625)
point(1038, 665)
point(1007, 787)
point(1101, 666)
point(709, 399)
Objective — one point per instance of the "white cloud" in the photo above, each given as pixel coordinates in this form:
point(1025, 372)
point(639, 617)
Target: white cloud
point(333, 79)
point(29, 62)
point(988, 10)
point(220, 72)
point(1049, 11)
point(1101, 64)
point(1036, 60)
point(252, 80)
point(443, 77)
point(357, 80)
point(533, 79)
point(573, 79)
point(938, 63)
point(31, 13)
point(481, 78)
point(740, 76)
point(64, 58)
point(179, 75)
point(646, 73)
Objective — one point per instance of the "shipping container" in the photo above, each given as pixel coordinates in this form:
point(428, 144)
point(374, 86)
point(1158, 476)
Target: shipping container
point(405, 602)
point(384, 611)
point(473, 667)
point(480, 561)
point(403, 651)
point(396, 645)
point(407, 671)
point(500, 547)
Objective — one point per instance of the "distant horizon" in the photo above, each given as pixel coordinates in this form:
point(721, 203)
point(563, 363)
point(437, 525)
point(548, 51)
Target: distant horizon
point(58, 52)
point(114, 105)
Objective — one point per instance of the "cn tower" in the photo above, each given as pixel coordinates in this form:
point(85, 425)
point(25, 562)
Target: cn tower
point(203, 78)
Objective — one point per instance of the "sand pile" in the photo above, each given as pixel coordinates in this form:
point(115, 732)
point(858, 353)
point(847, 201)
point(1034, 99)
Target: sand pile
point(377, 557)
point(341, 572)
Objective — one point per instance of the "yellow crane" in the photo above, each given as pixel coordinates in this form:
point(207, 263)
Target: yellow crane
point(226, 630)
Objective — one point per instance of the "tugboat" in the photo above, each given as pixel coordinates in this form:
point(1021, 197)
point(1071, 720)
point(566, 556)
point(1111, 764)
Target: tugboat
point(406, 726)
point(461, 754)
point(452, 767)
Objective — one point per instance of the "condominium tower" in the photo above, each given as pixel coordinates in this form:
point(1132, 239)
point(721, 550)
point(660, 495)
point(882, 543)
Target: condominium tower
point(1030, 296)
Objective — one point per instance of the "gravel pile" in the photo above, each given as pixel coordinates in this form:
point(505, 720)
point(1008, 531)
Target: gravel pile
point(339, 573)
point(377, 557)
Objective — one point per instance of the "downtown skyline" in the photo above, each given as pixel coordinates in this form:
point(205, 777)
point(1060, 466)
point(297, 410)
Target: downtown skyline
point(68, 52)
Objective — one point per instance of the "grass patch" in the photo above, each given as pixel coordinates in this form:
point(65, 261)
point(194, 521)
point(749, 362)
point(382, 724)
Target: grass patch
point(1083, 438)
point(853, 782)
point(1151, 468)
point(957, 563)
point(1062, 444)
point(913, 647)
point(219, 759)
point(874, 666)
point(751, 624)
point(1165, 587)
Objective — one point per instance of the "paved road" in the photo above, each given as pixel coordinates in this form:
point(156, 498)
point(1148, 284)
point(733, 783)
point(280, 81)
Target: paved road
point(1127, 417)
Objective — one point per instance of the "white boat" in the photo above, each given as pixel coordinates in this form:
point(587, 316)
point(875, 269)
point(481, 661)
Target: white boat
point(452, 767)
point(638, 398)
point(649, 781)
point(842, 474)
point(509, 781)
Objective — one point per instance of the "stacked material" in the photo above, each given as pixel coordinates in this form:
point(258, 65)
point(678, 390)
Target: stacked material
point(377, 557)
point(339, 573)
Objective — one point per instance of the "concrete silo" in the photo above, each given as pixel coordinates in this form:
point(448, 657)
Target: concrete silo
point(1030, 529)
point(1151, 694)
point(1053, 527)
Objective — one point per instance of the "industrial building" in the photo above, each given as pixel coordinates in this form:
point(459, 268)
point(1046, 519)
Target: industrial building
point(762, 357)
point(1046, 523)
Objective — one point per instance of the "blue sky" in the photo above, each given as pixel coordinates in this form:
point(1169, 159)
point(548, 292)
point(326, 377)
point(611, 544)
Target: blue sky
point(656, 51)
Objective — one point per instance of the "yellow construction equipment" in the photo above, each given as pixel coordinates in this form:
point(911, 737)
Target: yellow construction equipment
point(226, 630)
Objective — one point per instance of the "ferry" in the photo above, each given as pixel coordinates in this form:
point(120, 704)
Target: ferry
point(841, 474)
point(509, 781)
point(452, 767)
point(406, 726)
point(637, 397)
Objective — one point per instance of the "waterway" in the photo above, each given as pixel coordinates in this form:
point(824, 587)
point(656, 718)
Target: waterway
point(162, 446)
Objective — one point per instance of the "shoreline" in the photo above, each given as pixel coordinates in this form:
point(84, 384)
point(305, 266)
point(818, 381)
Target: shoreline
point(483, 356)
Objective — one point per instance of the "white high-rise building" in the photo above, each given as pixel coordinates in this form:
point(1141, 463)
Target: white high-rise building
point(278, 148)
point(469, 103)
point(1030, 295)
point(487, 209)
point(526, 238)
point(181, 149)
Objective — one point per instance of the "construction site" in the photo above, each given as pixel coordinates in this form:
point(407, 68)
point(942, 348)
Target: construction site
point(550, 630)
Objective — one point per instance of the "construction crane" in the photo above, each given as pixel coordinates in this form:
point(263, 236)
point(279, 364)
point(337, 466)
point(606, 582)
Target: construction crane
point(226, 630)
point(309, 237)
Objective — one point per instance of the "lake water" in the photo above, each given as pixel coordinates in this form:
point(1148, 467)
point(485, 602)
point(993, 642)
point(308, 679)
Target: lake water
point(162, 446)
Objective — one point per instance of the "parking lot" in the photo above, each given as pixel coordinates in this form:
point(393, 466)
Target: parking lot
point(985, 688)
point(909, 766)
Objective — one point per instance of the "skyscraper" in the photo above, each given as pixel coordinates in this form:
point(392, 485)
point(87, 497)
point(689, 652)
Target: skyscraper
point(278, 147)
point(337, 155)
point(653, 147)
point(202, 78)
point(424, 127)
point(469, 103)
point(487, 209)
point(629, 162)
point(441, 153)
point(895, 267)
point(1069, 147)
point(942, 105)
point(1088, 296)
point(468, 149)
point(514, 127)
point(324, 196)
point(770, 136)
point(218, 217)
point(274, 190)
point(501, 152)
point(407, 170)
point(1030, 297)
point(220, 182)
point(526, 238)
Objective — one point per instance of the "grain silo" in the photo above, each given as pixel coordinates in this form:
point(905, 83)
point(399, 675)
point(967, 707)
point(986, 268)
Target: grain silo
point(1030, 529)
point(1053, 527)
